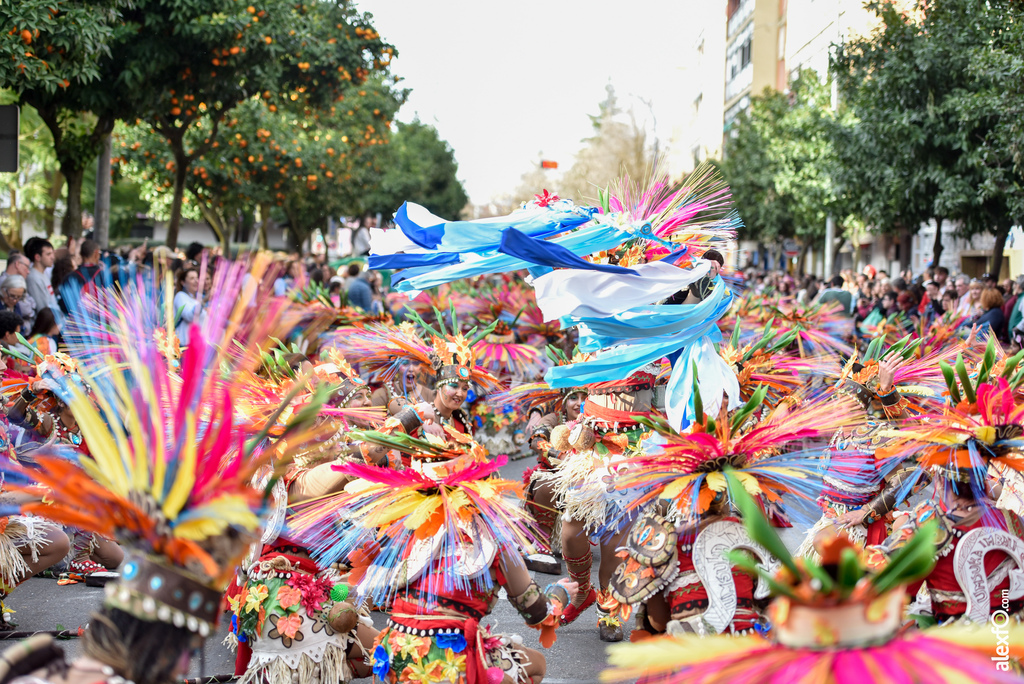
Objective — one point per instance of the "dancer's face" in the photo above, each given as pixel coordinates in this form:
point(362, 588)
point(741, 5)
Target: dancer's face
point(451, 396)
point(360, 400)
point(573, 405)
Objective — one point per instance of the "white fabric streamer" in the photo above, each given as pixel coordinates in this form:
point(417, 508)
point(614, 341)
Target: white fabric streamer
point(582, 293)
point(714, 378)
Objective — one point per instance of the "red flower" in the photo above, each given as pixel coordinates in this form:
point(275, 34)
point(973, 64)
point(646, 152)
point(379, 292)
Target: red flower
point(545, 198)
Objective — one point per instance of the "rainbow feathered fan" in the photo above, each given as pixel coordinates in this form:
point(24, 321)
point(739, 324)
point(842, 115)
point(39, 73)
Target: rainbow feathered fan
point(426, 520)
point(687, 469)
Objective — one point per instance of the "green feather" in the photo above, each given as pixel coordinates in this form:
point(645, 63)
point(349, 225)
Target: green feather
point(965, 380)
point(757, 525)
point(948, 374)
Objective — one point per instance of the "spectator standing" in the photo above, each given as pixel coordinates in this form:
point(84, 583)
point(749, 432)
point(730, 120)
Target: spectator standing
point(12, 292)
point(992, 315)
point(360, 292)
point(63, 267)
point(40, 288)
point(91, 270)
point(188, 306)
point(289, 279)
point(835, 293)
point(970, 296)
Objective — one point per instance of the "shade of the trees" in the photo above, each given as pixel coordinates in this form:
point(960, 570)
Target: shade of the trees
point(58, 50)
point(301, 163)
point(189, 63)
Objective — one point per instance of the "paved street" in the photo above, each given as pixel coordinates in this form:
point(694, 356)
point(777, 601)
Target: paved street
point(577, 657)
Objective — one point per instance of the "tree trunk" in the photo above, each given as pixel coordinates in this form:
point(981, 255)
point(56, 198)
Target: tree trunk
point(906, 243)
point(217, 223)
point(265, 221)
point(802, 261)
point(181, 163)
point(56, 186)
point(71, 225)
point(836, 247)
point(997, 251)
point(937, 246)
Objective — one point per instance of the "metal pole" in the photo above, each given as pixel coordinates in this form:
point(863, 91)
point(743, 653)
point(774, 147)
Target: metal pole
point(101, 227)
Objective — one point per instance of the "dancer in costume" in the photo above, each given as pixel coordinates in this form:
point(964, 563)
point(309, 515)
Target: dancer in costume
point(28, 544)
point(403, 388)
point(291, 621)
point(168, 473)
point(674, 564)
point(563, 408)
point(972, 451)
point(438, 542)
point(836, 622)
point(42, 410)
point(595, 448)
point(384, 349)
point(863, 506)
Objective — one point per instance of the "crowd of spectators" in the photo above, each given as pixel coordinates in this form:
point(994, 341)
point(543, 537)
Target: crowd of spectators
point(40, 282)
point(872, 296)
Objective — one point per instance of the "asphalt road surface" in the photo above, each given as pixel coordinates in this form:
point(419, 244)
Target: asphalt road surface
point(577, 657)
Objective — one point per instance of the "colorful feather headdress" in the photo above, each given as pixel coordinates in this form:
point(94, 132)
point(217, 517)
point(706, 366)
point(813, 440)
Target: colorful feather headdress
point(764, 362)
point(920, 387)
point(169, 469)
point(383, 349)
point(687, 470)
point(837, 621)
point(535, 395)
point(983, 429)
point(444, 519)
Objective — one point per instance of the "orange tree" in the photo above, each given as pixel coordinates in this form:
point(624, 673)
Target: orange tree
point(191, 63)
point(56, 59)
point(290, 161)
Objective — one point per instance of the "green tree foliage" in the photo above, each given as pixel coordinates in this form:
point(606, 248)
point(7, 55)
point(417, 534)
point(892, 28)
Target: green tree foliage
point(420, 167)
point(57, 50)
point(300, 163)
point(189, 63)
point(779, 162)
point(932, 131)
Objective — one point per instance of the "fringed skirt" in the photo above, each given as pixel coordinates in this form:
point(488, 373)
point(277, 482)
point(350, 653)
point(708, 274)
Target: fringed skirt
point(282, 612)
point(17, 534)
point(585, 490)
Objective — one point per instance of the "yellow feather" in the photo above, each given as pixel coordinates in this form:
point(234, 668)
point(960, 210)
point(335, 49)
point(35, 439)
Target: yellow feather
point(668, 654)
point(423, 512)
point(102, 447)
point(676, 486)
point(716, 482)
point(401, 508)
point(213, 518)
point(749, 483)
point(136, 457)
point(185, 478)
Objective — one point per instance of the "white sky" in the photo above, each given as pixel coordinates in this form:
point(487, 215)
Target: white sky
point(509, 82)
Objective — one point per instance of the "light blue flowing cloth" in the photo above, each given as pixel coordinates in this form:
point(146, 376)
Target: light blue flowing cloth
point(586, 240)
point(483, 235)
point(645, 325)
point(627, 344)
